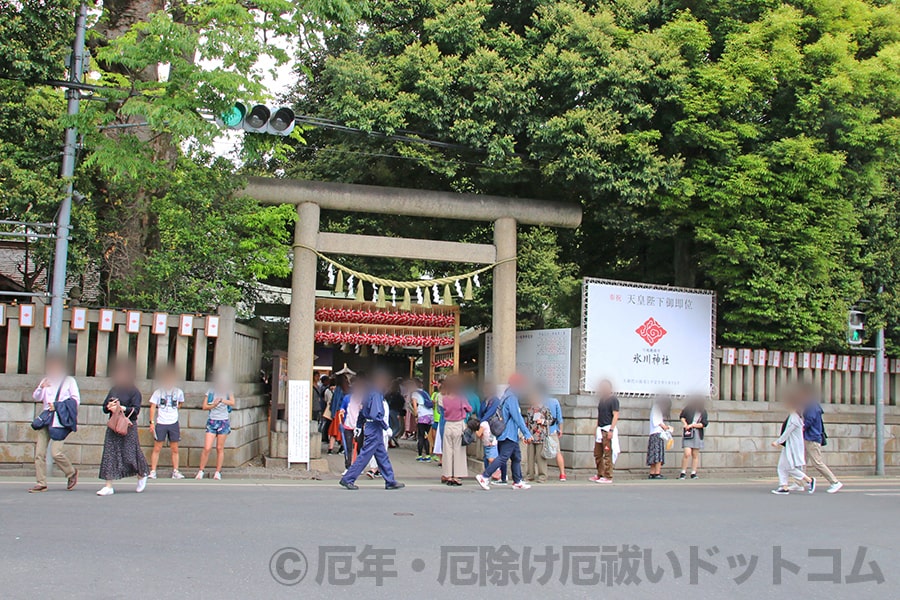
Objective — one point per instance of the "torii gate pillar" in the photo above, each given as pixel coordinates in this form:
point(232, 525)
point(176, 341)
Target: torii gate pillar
point(504, 301)
point(302, 331)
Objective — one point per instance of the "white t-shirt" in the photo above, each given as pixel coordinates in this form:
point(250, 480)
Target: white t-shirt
point(487, 437)
point(656, 420)
point(167, 402)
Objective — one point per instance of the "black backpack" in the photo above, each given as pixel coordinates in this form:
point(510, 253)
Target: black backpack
point(497, 423)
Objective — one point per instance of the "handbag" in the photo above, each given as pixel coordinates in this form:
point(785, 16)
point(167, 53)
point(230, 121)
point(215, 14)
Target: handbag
point(551, 447)
point(468, 437)
point(119, 423)
point(45, 419)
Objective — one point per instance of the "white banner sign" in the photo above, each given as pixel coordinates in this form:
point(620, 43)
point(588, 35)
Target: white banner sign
point(298, 421)
point(543, 355)
point(647, 339)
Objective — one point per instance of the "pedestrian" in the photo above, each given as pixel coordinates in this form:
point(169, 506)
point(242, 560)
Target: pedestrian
point(489, 406)
point(606, 436)
point(556, 421)
point(456, 409)
point(814, 438)
point(424, 419)
point(508, 441)
point(350, 431)
point(537, 419)
point(164, 425)
point(437, 426)
point(386, 436)
point(340, 390)
point(374, 422)
point(482, 430)
point(410, 420)
point(396, 405)
point(328, 416)
point(218, 401)
point(694, 420)
point(660, 433)
point(58, 394)
point(122, 454)
point(793, 453)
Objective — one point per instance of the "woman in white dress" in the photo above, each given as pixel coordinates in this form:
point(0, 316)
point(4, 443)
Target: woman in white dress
point(793, 451)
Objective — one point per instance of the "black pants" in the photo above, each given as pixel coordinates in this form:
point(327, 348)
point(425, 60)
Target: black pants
point(422, 430)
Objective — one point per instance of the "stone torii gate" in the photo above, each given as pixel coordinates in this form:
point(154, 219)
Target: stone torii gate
point(312, 196)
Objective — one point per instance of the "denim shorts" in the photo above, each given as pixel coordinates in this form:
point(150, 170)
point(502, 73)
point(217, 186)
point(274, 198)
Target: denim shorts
point(490, 452)
point(218, 426)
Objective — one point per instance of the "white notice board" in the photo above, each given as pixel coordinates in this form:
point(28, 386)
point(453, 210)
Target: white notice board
point(543, 355)
point(647, 339)
point(298, 421)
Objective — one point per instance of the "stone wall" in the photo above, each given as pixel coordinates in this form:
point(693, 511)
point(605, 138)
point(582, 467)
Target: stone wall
point(738, 438)
point(249, 435)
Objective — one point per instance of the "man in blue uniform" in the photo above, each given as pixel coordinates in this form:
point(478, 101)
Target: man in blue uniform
point(374, 421)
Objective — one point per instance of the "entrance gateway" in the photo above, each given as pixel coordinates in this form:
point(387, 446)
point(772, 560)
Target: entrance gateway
point(312, 196)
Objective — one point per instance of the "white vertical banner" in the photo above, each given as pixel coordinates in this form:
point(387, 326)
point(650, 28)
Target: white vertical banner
point(186, 325)
point(47, 316)
point(107, 320)
point(160, 324)
point(79, 319)
point(298, 420)
point(212, 326)
point(26, 315)
point(133, 325)
point(2, 314)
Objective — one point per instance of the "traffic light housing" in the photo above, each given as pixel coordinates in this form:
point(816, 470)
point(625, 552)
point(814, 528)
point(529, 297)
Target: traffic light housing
point(259, 118)
point(856, 327)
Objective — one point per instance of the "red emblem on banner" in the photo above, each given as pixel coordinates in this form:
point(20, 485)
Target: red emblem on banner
point(651, 331)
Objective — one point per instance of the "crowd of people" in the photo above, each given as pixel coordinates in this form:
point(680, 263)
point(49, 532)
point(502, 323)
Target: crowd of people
point(122, 455)
point(518, 429)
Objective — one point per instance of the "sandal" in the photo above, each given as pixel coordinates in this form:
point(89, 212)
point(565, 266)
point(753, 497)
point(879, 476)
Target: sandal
point(37, 489)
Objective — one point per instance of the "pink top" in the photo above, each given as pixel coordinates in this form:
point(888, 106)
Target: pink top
point(47, 395)
point(455, 407)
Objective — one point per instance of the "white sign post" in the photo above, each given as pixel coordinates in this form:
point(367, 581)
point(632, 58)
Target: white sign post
point(298, 421)
point(647, 339)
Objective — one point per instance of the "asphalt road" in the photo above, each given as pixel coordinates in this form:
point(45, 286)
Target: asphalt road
point(217, 540)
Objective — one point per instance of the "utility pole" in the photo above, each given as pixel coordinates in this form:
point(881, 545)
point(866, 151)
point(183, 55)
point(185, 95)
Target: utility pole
point(879, 399)
point(67, 173)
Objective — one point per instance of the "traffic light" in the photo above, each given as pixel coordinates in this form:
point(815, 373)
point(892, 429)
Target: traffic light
point(259, 119)
point(856, 327)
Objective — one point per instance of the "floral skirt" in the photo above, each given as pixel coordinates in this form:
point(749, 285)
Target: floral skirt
point(122, 456)
point(656, 450)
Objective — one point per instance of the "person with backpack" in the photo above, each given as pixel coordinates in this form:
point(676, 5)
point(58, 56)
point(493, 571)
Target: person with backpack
point(58, 393)
point(489, 406)
point(506, 423)
point(424, 419)
point(164, 424)
point(219, 401)
point(814, 437)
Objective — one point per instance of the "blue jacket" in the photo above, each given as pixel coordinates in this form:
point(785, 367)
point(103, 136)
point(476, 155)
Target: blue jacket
point(813, 427)
point(555, 412)
point(373, 409)
point(512, 416)
point(488, 408)
point(67, 413)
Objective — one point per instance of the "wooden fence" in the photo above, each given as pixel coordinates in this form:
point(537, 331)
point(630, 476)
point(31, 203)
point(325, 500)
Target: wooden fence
point(195, 344)
point(762, 375)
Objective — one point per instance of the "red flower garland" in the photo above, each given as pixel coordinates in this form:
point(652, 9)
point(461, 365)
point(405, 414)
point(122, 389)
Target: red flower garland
point(384, 317)
point(382, 339)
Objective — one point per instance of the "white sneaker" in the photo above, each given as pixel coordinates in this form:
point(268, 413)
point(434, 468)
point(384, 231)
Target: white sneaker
point(217, 476)
point(521, 486)
point(794, 487)
point(177, 475)
point(199, 475)
point(837, 485)
point(142, 484)
point(483, 481)
point(344, 472)
point(152, 475)
point(106, 491)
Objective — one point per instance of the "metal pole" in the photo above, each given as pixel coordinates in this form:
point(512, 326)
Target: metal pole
point(67, 172)
point(879, 400)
